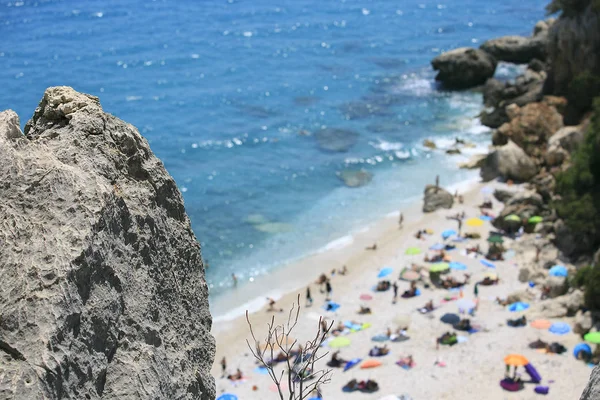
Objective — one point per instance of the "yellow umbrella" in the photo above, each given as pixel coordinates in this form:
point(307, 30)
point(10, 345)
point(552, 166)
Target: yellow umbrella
point(516, 360)
point(474, 222)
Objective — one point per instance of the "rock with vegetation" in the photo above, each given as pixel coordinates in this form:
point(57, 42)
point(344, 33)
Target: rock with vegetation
point(508, 162)
point(436, 198)
point(104, 290)
point(464, 68)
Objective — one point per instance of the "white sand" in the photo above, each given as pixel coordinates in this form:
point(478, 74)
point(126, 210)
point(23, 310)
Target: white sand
point(473, 369)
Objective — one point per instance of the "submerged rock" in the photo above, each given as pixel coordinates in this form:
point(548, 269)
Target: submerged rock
point(355, 178)
point(105, 295)
point(255, 219)
point(464, 68)
point(273, 227)
point(436, 198)
point(336, 139)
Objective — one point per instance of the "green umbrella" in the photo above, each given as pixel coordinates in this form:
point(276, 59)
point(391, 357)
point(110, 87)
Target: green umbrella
point(536, 219)
point(339, 342)
point(593, 337)
point(495, 239)
point(411, 251)
point(439, 267)
point(512, 217)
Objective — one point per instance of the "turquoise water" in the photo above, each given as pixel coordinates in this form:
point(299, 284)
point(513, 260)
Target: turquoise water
point(221, 89)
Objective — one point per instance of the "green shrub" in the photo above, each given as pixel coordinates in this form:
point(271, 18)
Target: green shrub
point(568, 8)
point(582, 90)
point(581, 277)
point(592, 289)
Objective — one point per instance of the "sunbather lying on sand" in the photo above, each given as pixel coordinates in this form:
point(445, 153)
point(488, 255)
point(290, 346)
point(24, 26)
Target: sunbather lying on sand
point(236, 377)
point(336, 361)
point(368, 386)
point(406, 362)
point(382, 286)
point(338, 330)
point(502, 302)
point(447, 338)
point(517, 322)
point(487, 281)
point(379, 351)
point(427, 308)
point(364, 310)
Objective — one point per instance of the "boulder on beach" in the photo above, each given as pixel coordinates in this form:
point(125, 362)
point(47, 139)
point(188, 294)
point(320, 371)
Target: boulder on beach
point(516, 49)
point(453, 151)
point(583, 322)
point(336, 139)
point(355, 178)
point(436, 198)
point(464, 68)
point(558, 307)
point(509, 162)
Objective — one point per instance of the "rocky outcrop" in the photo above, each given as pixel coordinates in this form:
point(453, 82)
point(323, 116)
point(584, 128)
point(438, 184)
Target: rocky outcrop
point(559, 307)
point(509, 162)
point(104, 294)
point(583, 322)
point(464, 68)
point(436, 198)
point(517, 49)
point(569, 138)
point(354, 179)
point(476, 161)
point(503, 195)
point(592, 390)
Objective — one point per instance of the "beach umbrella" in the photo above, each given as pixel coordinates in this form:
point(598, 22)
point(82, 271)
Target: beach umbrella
point(465, 304)
point(516, 360)
point(474, 222)
point(338, 342)
point(352, 363)
point(592, 337)
point(512, 217)
point(518, 306)
point(411, 251)
point(450, 318)
point(581, 347)
point(535, 219)
point(541, 324)
point(486, 218)
point(457, 266)
point(410, 275)
point(495, 239)
point(448, 232)
point(437, 246)
point(385, 272)
point(366, 297)
point(227, 396)
point(558, 270)
point(370, 364)
point(439, 267)
point(487, 263)
point(560, 328)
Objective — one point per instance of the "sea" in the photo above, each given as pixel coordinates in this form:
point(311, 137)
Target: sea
point(258, 108)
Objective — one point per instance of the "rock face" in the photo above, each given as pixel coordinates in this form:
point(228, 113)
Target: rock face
point(517, 49)
point(436, 198)
point(104, 293)
point(592, 390)
point(509, 162)
point(464, 68)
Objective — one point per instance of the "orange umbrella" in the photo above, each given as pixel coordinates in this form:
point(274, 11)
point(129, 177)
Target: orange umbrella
point(516, 360)
point(541, 324)
point(371, 364)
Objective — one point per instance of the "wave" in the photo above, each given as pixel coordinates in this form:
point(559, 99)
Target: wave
point(338, 243)
point(387, 146)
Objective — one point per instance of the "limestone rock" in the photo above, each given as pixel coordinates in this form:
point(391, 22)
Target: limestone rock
point(520, 295)
point(559, 307)
point(476, 161)
point(583, 322)
point(355, 178)
point(464, 68)
point(568, 138)
point(104, 289)
point(436, 198)
point(503, 195)
point(543, 26)
point(509, 162)
point(336, 139)
point(430, 144)
point(592, 390)
point(516, 49)
point(555, 156)
point(558, 286)
point(544, 184)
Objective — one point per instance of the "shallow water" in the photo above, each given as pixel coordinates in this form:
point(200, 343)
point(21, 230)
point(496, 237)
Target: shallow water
point(231, 94)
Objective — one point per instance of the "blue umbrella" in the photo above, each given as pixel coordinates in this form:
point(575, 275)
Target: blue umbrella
point(352, 363)
point(458, 266)
point(385, 272)
point(582, 347)
point(486, 218)
point(487, 263)
point(448, 232)
point(560, 328)
point(261, 370)
point(227, 396)
point(437, 246)
point(518, 306)
point(559, 270)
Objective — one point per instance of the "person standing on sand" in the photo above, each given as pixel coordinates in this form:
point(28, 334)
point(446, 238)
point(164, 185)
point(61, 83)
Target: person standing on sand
point(459, 225)
point(309, 299)
point(401, 220)
point(223, 367)
point(395, 287)
point(437, 183)
point(476, 290)
point(328, 289)
point(234, 279)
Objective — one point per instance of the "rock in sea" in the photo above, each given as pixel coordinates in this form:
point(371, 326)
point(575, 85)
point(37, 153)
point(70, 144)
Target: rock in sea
point(355, 178)
point(335, 139)
point(464, 68)
point(104, 290)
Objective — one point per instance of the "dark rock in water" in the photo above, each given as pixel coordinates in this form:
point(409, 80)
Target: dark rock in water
point(362, 109)
point(453, 151)
point(429, 144)
point(356, 178)
point(385, 127)
point(464, 68)
point(336, 139)
point(389, 63)
point(494, 119)
point(517, 49)
point(436, 198)
point(104, 289)
point(536, 65)
point(305, 100)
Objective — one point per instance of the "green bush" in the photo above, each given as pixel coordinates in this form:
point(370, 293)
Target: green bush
point(589, 279)
point(571, 8)
point(581, 277)
point(582, 90)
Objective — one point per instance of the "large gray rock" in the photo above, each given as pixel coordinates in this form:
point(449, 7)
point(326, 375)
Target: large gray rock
point(557, 286)
point(464, 68)
point(592, 390)
point(436, 198)
point(103, 292)
point(509, 162)
point(559, 307)
point(568, 138)
point(517, 49)
point(583, 322)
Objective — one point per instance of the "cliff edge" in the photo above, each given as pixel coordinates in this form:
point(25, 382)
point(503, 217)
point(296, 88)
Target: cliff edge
point(103, 292)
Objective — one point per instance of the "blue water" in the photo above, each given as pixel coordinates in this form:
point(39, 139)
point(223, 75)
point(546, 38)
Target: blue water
point(221, 89)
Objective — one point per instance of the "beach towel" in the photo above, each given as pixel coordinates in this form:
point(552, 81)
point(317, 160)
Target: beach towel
point(331, 306)
point(352, 363)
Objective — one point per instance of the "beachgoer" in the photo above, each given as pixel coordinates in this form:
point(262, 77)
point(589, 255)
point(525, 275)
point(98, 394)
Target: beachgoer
point(459, 225)
point(333, 272)
point(388, 332)
point(309, 299)
point(538, 250)
point(461, 199)
point(328, 289)
point(373, 247)
point(395, 287)
point(476, 290)
point(401, 220)
point(223, 367)
point(272, 305)
point(234, 279)
point(343, 271)
point(437, 183)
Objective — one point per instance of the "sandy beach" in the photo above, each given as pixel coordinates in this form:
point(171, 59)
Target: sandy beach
point(472, 369)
